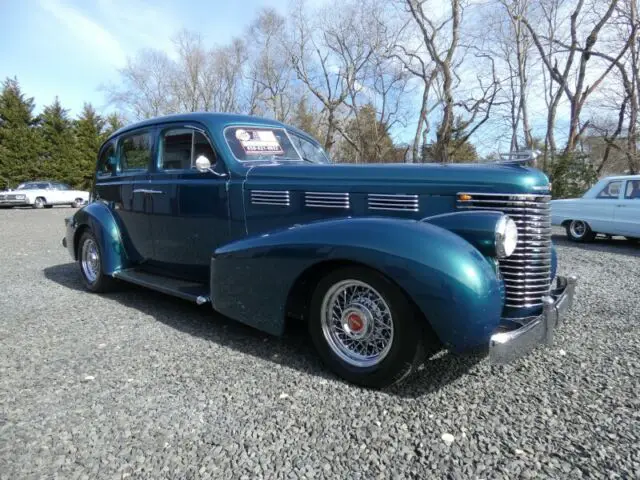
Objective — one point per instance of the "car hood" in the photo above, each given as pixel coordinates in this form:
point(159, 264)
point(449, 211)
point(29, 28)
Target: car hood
point(434, 179)
point(19, 192)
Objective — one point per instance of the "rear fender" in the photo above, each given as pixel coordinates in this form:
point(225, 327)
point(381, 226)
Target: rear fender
point(98, 218)
point(450, 281)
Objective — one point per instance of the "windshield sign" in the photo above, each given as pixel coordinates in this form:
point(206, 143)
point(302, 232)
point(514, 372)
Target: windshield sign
point(252, 143)
point(275, 144)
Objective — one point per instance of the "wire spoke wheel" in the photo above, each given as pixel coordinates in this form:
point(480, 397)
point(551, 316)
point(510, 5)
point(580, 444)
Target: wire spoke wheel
point(90, 260)
point(357, 323)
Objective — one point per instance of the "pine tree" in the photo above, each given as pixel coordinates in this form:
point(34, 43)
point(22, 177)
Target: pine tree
point(20, 141)
point(88, 127)
point(60, 149)
point(114, 122)
point(305, 118)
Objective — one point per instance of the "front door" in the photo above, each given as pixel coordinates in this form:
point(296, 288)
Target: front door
point(627, 212)
point(188, 210)
point(600, 211)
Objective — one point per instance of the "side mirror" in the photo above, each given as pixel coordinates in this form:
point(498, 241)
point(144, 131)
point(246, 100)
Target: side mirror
point(203, 164)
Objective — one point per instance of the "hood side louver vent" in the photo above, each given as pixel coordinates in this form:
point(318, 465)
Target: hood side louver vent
point(393, 202)
point(326, 199)
point(271, 197)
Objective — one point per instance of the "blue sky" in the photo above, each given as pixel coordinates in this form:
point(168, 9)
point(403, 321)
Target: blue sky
point(70, 47)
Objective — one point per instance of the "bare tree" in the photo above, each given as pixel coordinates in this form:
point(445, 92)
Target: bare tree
point(361, 42)
point(315, 66)
point(441, 38)
point(145, 89)
point(571, 77)
point(270, 72)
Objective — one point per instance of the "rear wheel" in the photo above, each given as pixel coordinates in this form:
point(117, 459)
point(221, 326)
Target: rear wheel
point(632, 240)
point(39, 202)
point(364, 328)
point(77, 203)
point(90, 263)
point(579, 231)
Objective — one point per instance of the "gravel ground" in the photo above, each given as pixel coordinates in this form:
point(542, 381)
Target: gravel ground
point(135, 384)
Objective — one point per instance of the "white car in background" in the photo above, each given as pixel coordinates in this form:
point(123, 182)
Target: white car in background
point(43, 195)
point(610, 207)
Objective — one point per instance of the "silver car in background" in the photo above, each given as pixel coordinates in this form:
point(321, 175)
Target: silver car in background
point(43, 194)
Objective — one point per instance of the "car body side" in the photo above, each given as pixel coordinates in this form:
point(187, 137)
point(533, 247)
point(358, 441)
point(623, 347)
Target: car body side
point(617, 214)
point(258, 260)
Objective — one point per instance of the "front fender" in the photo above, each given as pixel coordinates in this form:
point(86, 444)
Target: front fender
point(99, 219)
point(451, 282)
point(476, 227)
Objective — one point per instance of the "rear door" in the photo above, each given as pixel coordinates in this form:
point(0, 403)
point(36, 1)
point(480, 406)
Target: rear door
point(189, 210)
point(121, 183)
point(627, 212)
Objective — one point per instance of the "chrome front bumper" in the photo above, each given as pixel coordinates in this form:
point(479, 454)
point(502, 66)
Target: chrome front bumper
point(508, 345)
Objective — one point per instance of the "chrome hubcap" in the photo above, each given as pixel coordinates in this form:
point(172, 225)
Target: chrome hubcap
point(357, 323)
point(90, 259)
point(578, 228)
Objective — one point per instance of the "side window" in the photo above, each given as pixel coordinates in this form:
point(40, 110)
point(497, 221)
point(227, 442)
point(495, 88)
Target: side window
point(633, 190)
point(308, 150)
point(135, 152)
point(180, 148)
point(107, 162)
point(611, 190)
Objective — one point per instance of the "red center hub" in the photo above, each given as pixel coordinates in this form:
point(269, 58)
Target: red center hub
point(356, 322)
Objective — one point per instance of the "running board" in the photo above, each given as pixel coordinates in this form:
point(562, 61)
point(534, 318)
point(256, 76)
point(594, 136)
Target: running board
point(191, 291)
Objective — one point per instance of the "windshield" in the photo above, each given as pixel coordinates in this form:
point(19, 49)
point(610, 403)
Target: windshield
point(275, 144)
point(32, 186)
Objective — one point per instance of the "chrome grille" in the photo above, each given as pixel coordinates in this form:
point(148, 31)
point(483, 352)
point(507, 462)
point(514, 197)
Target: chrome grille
point(527, 272)
point(326, 199)
point(270, 197)
point(394, 202)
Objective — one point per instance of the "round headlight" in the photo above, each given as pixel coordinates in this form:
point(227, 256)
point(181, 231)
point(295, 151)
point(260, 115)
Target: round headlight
point(506, 237)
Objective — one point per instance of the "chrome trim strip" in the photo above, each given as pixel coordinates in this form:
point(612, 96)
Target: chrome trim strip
point(280, 198)
point(400, 202)
point(327, 199)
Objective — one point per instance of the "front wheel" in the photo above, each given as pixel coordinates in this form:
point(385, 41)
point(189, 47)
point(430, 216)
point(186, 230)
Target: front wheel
point(77, 203)
point(364, 327)
point(39, 202)
point(632, 240)
point(90, 263)
point(579, 231)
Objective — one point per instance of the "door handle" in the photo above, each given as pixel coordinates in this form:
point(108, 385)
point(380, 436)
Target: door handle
point(620, 205)
point(144, 190)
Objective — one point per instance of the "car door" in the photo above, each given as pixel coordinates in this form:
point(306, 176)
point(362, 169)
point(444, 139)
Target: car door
point(599, 210)
point(189, 210)
point(121, 183)
point(627, 212)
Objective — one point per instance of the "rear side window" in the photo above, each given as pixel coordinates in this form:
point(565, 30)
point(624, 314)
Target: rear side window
point(633, 190)
point(135, 152)
point(107, 162)
point(181, 146)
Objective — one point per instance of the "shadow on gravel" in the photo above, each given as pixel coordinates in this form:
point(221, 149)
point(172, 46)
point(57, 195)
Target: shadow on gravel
point(618, 245)
point(293, 350)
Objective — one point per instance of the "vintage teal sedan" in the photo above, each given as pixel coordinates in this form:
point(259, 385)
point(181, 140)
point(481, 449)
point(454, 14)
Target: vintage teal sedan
point(384, 262)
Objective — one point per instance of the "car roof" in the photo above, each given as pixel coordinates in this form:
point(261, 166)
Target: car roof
point(210, 118)
point(622, 177)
